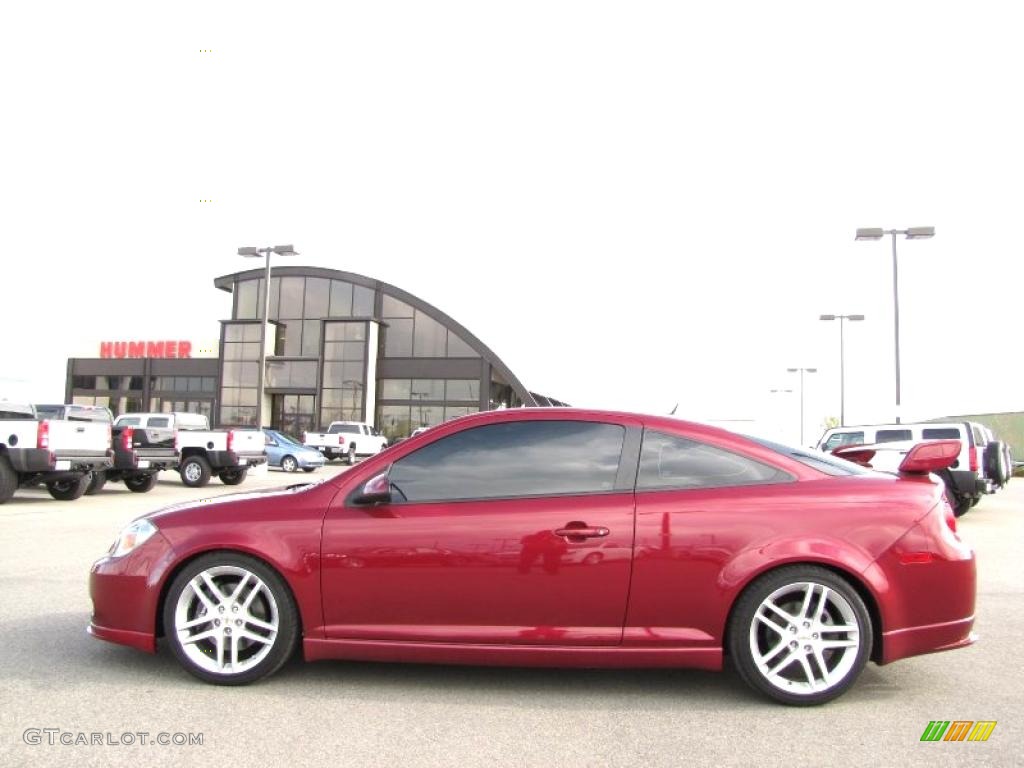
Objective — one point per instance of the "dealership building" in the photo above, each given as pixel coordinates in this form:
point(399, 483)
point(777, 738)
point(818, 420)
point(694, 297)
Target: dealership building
point(339, 347)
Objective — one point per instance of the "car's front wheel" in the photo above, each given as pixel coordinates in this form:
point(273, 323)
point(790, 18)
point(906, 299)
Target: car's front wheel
point(800, 635)
point(230, 619)
point(289, 464)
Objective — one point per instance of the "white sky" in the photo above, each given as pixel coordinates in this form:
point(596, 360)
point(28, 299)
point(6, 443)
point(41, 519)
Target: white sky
point(634, 204)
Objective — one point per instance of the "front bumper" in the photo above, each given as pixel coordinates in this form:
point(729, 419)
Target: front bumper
point(125, 592)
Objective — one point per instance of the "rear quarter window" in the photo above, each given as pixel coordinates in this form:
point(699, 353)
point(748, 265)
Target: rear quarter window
point(945, 433)
point(672, 462)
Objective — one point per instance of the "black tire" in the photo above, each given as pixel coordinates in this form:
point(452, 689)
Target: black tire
point(289, 464)
point(203, 654)
point(8, 479)
point(141, 483)
point(233, 476)
point(350, 456)
point(308, 469)
point(962, 504)
point(96, 482)
point(844, 605)
point(70, 489)
point(994, 462)
point(195, 471)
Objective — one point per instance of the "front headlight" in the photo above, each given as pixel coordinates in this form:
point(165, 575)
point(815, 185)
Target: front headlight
point(131, 537)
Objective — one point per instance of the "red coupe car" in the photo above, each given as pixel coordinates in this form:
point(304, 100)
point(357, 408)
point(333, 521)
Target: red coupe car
point(477, 542)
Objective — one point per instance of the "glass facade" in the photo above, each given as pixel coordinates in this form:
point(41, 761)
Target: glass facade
point(240, 372)
point(344, 348)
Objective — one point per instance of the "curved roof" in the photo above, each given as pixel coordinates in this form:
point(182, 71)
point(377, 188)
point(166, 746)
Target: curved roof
point(227, 283)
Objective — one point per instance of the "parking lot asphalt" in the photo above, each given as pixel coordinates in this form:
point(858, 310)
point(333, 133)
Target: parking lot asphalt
point(54, 676)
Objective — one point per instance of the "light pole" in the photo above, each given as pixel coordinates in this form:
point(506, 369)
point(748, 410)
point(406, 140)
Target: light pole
point(911, 233)
point(842, 361)
point(802, 371)
point(255, 253)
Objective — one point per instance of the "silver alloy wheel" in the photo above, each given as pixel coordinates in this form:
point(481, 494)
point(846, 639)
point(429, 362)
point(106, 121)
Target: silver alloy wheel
point(193, 472)
point(805, 638)
point(226, 620)
point(289, 464)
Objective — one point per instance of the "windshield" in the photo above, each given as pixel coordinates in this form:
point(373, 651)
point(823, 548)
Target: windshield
point(823, 462)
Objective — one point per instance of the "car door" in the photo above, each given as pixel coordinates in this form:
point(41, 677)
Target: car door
point(274, 450)
point(519, 532)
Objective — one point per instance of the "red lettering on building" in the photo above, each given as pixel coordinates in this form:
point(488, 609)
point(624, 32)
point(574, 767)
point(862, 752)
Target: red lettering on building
point(162, 349)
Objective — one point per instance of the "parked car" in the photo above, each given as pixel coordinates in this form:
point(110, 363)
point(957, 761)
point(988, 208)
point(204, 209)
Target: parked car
point(289, 454)
point(798, 565)
point(61, 454)
point(351, 439)
point(967, 478)
point(203, 452)
point(139, 453)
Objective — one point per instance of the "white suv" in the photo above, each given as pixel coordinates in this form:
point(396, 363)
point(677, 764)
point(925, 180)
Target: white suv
point(966, 478)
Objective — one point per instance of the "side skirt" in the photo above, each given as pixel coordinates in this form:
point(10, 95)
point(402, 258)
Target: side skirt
point(315, 649)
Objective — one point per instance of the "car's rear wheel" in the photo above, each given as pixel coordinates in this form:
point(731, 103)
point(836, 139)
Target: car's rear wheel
point(289, 464)
point(801, 635)
point(195, 471)
point(96, 482)
point(230, 619)
point(141, 483)
point(68, 489)
point(233, 476)
point(8, 479)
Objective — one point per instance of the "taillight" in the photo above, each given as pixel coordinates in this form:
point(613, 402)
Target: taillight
point(947, 510)
point(127, 438)
point(43, 435)
point(973, 457)
point(231, 440)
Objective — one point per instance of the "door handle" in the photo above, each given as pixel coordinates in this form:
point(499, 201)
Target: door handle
point(578, 531)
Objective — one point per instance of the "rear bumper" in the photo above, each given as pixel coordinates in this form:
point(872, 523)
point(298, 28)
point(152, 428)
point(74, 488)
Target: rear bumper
point(224, 459)
point(932, 638)
point(144, 460)
point(35, 460)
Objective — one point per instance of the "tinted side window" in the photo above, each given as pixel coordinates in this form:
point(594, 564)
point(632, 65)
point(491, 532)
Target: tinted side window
point(160, 421)
point(667, 461)
point(844, 438)
point(892, 435)
point(522, 458)
point(947, 433)
point(129, 422)
point(343, 429)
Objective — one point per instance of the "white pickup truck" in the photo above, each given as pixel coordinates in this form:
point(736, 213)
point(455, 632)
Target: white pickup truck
point(61, 454)
point(346, 438)
point(203, 452)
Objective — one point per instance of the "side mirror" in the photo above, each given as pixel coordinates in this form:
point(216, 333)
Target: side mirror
point(931, 457)
point(376, 490)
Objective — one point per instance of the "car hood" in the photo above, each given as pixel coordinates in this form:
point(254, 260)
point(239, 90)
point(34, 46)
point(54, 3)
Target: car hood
point(228, 498)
